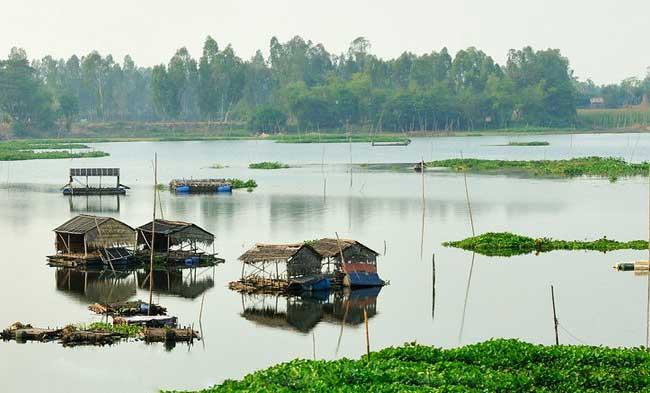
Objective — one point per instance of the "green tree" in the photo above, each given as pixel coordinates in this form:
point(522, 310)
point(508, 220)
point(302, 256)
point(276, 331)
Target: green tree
point(23, 96)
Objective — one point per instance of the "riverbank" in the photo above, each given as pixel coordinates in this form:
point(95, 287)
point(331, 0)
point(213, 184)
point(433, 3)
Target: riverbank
point(495, 365)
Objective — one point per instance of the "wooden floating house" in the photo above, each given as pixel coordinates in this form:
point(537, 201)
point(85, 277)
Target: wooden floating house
point(87, 239)
point(86, 189)
point(310, 266)
point(281, 267)
point(200, 185)
point(354, 264)
point(176, 242)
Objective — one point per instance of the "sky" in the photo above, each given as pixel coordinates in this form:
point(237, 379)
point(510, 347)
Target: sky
point(604, 40)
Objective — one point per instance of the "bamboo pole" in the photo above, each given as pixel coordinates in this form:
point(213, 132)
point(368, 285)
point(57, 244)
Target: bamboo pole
point(433, 285)
point(153, 233)
point(365, 321)
point(469, 203)
point(557, 337)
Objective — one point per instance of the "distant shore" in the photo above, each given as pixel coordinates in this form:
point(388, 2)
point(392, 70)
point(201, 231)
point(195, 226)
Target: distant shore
point(334, 136)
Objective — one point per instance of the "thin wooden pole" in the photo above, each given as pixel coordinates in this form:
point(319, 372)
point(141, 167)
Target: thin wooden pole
point(153, 232)
point(469, 203)
point(647, 328)
point(433, 285)
point(365, 321)
point(557, 337)
point(201, 310)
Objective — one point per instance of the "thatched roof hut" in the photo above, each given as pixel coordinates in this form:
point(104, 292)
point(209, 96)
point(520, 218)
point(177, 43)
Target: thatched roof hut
point(300, 260)
point(173, 233)
point(85, 234)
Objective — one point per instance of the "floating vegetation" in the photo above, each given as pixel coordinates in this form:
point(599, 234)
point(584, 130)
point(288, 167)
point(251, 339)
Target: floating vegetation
point(338, 138)
point(238, 183)
point(26, 150)
point(610, 167)
point(216, 166)
point(493, 366)
point(507, 244)
point(532, 143)
point(123, 330)
point(268, 165)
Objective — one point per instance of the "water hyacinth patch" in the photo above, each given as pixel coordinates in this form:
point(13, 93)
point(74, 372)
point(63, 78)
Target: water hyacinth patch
point(507, 244)
point(492, 366)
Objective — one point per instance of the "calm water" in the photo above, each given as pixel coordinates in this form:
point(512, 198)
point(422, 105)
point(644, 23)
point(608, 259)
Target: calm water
point(493, 297)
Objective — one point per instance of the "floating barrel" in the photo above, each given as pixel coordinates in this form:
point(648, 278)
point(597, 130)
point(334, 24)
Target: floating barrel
point(224, 188)
point(183, 189)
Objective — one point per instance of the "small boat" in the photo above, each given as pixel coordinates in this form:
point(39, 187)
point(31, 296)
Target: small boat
point(419, 167)
point(359, 279)
point(309, 284)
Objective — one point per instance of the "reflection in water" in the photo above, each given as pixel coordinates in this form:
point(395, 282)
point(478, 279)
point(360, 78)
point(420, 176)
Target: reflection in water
point(302, 313)
point(187, 283)
point(102, 286)
point(94, 204)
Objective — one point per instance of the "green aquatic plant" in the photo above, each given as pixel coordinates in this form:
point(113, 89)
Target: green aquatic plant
point(216, 166)
point(238, 183)
point(609, 167)
point(508, 244)
point(123, 329)
point(268, 165)
point(28, 150)
point(493, 366)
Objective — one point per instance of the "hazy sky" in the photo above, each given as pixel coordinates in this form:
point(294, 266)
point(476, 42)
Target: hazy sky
point(605, 40)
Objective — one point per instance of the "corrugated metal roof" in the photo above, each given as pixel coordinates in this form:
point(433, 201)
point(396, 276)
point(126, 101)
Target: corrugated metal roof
point(179, 230)
point(82, 224)
point(168, 227)
point(329, 247)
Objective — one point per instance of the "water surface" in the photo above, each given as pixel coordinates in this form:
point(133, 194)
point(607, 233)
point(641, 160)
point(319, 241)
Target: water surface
point(318, 197)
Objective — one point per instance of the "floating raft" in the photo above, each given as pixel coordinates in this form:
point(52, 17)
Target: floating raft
point(147, 320)
point(127, 309)
point(200, 185)
point(85, 189)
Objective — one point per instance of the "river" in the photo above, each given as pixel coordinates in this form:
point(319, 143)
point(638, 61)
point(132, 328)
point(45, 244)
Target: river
point(318, 197)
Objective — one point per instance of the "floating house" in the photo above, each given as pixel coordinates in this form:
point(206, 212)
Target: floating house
point(351, 263)
point(282, 267)
point(77, 186)
point(200, 185)
point(177, 242)
point(87, 239)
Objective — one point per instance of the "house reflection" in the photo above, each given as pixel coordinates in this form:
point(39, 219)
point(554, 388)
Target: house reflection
point(188, 283)
point(302, 313)
point(94, 204)
point(89, 286)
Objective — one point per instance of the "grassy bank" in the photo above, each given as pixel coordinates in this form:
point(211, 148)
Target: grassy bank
point(508, 244)
point(614, 118)
point(609, 167)
point(32, 150)
point(268, 165)
point(491, 366)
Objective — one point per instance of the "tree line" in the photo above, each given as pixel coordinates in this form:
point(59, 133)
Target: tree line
point(300, 86)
